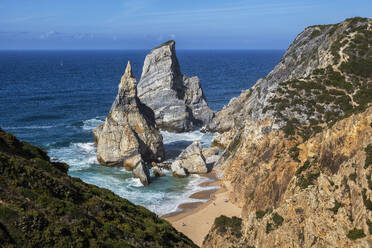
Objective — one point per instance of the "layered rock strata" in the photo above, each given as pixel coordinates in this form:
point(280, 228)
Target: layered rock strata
point(178, 101)
point(298, 147)
point(129, 136)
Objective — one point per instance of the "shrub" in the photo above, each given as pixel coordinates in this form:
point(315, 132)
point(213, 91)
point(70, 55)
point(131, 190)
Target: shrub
point(356, 234)
point(368, 160)
point(335, 208)
point(294, 152)
point(260, 214)
point(353, 176)
point(224, 223)
point(278, 220)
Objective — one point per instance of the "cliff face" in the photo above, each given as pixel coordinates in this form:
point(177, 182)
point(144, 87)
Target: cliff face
point(177, 100)
point(41, 206)
point(298, 146)
point(324, 75)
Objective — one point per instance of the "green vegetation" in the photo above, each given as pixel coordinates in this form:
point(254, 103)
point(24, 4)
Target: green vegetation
point(353, 176)
point(368, 151)
point(278, 220)
point(367, 202)
point(315, 33)
point(269, 227)
point(223, 223)
point(307, 105)
point(335, 208)
point(294, 152)
point(41, 206)
point(356, 234)
point(261, 213)
point(305, 181)
point(304, 167)
point(369, 224)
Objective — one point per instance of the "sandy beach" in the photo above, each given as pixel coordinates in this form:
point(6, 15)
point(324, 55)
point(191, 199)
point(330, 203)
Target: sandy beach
point(196, 219)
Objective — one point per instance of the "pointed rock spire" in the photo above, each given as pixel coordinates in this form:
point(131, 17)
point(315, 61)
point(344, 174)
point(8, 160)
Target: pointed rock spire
point(177, 100)
point(129, 136)
point(128, 82)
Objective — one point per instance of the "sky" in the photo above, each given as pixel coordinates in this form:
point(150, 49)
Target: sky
point(142, 24)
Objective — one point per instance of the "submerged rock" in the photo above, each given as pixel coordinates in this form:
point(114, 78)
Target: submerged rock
point(177, 100)
point(191, 160)
point(129, 134)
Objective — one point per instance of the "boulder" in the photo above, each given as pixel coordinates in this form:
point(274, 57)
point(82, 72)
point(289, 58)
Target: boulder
point(178, 170)
point(129, 133)
point(210, 151)
point(142, 172)
point(177, 100)
point(191, 160)
point(157, 172)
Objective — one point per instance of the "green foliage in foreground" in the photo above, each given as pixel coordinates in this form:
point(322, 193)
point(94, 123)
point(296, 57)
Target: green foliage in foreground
point(41, 206)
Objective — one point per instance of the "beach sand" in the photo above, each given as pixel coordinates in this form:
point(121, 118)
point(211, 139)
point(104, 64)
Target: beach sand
point(196, 219)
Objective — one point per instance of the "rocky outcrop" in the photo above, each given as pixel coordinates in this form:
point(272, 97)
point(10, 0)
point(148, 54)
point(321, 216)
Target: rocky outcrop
point(298, 146)
point(211, 155)
point(177, 100)
point(129, 134)
point(190, 161)
point(322, 59)
point(319, 195)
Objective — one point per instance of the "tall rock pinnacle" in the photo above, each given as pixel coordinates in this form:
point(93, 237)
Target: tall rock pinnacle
point(177, 100)
point(129, 136)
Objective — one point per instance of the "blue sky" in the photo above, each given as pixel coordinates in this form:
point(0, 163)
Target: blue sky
point(142, 24)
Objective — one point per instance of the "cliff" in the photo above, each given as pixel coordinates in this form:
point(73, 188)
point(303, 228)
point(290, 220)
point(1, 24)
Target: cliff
point(298, 146)
point(41, 206)
point(177, 100)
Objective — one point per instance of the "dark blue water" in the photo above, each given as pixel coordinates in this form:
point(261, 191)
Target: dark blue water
point(55, 98)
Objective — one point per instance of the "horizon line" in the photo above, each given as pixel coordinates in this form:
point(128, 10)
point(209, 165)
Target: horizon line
point(136, 49)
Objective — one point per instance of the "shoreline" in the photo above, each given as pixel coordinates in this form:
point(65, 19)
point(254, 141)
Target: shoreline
point(196, 219)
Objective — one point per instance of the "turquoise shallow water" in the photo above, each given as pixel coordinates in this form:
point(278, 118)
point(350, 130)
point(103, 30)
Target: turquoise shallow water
point(55, 98)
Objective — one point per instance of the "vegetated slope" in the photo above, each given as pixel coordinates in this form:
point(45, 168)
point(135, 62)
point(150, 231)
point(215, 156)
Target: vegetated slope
point(298, 146)
point(41, 206)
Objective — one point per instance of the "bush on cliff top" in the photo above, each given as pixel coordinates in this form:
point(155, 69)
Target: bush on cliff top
point(223, 223)
point(41, 206)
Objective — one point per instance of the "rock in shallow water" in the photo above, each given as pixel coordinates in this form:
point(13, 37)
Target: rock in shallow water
point(177, 100)
point(129, 134)
point(191, 160)
point(142, 172)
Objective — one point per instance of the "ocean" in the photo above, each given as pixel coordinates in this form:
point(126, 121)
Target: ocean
point(55, 99)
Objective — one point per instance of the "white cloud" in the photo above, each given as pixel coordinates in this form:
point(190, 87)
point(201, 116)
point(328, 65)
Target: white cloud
point(172, 36)
point(48, 34)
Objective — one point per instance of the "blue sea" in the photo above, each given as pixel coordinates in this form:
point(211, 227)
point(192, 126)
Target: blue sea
point(55, 99)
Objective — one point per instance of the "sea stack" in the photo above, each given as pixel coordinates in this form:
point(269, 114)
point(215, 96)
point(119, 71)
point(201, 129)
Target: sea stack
point(178, 101)
point(129, 136)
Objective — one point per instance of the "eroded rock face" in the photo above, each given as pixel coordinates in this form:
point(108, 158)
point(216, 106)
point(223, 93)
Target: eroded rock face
point(177, 100)
point(129, 136)
point(191, 160)
point(315, 197)
point(302, 177)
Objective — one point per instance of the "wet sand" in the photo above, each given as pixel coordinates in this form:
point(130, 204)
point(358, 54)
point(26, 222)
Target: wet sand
point(196, 219)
